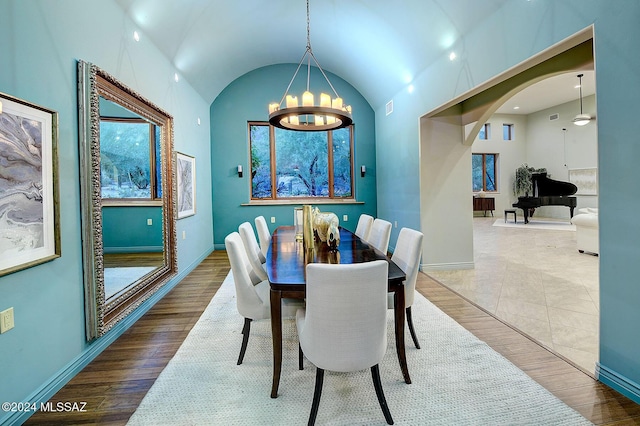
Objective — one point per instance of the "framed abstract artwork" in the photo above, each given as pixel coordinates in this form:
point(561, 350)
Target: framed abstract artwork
point(186, 182)
point(29, 203)
point(585, 179)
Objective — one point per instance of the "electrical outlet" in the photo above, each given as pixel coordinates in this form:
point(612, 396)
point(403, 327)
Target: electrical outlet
point(345, 218)
point(149, 222)
point(273, 219)
point(184, 235)
point(6, 320)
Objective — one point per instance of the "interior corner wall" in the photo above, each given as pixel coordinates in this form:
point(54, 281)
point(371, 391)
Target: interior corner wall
point(40, 43)
point(511, 154)
point(560, 150)
point(246, 99)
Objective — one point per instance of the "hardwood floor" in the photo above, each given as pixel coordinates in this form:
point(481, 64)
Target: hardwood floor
point(116, 381)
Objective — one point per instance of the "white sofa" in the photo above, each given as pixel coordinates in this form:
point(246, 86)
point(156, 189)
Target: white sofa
point(586, 223)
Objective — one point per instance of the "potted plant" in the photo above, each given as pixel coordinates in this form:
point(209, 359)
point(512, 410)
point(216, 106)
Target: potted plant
point(522, 185)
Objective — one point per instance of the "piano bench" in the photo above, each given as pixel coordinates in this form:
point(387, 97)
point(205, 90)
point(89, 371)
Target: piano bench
point(515, 216)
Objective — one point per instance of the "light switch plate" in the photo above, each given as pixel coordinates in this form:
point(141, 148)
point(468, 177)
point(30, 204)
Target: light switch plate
point(273, 219)
point(6, 320)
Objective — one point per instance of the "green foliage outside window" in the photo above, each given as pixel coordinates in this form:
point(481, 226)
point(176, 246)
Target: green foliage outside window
point(127, 152)
point(304, 166)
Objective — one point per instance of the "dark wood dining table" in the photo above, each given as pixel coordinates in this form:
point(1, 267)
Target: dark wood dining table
point(286, 266)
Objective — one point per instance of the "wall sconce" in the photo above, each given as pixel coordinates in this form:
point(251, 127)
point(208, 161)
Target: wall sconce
point(363, 170)
point(239, 170)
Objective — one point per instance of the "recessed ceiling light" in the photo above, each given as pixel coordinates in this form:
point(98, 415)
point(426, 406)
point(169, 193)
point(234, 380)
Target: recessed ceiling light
point(136, 36)
point(452, 56)
point(410, 88)
point(516, 107)
point(175, 77)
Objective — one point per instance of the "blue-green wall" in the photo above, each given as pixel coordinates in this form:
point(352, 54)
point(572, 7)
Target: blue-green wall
point(40, 43)
point(125, 229)
point(519, 30)
point(246, 99)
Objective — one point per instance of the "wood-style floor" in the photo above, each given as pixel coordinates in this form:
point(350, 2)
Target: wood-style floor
point(114, 384)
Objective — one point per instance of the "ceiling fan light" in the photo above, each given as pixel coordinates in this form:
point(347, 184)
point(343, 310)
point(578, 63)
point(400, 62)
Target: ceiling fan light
point(582, 119)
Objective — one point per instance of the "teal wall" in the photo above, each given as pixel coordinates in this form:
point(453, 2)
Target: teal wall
point(125, 229)
point(518, 31)
point(246, 99)
point(40, 43)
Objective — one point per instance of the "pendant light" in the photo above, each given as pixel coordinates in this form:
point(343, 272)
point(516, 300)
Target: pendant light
point(328, 114)
point(581, 119)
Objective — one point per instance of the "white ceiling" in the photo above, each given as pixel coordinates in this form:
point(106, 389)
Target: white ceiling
point(378, 46)
point(550, 92)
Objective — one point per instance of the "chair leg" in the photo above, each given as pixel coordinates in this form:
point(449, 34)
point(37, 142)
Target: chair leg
point(413, 332)
point(300, 361)
point(317, 393)
point(377, 384)
point(245, 339)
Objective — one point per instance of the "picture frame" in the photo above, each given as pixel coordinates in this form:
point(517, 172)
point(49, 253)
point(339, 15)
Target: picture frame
point(29, 196)
point(186, 182)
point(586, 179)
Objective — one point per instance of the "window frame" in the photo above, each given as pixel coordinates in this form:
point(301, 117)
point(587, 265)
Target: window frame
point(484, 155)
point(510, 129)
point(155, 199)
point(274, 198)
point(486, 130)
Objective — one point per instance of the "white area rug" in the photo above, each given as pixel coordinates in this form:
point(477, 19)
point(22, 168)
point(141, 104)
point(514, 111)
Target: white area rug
point(555, 225)
point(457, 380)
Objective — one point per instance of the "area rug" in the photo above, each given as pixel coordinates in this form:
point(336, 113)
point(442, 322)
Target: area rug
point(555, 225)
point(457, 380)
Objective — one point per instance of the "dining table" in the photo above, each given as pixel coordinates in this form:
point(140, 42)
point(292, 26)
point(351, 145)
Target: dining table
point(285, 265)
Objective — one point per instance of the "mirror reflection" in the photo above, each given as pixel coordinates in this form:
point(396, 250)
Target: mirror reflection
point(131, 192)
point(128, 201)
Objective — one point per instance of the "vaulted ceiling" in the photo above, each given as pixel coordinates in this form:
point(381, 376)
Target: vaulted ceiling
point(378, 46)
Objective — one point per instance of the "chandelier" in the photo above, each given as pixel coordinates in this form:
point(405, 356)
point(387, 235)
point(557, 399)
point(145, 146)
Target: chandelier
point(581, 119)
point(328, 114)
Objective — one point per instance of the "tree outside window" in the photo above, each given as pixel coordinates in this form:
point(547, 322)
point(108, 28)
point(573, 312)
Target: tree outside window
point(293, 164)
point(484, 172)
point(128, 152)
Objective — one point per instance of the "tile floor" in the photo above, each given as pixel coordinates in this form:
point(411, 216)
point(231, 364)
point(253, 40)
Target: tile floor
point(535, 280)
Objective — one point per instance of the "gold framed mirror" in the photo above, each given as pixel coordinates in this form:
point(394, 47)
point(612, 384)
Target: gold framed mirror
point(144, 269)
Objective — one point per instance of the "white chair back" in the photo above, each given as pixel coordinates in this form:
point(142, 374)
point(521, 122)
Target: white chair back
point(263, 234)
point(249, 303)
point(253, 249)
point(364, 226)
point(407, 256)
point(341, 330)
point(380, 235)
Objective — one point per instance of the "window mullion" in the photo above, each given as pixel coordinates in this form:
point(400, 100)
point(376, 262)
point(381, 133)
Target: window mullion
point(330, 163)
point(272, 160)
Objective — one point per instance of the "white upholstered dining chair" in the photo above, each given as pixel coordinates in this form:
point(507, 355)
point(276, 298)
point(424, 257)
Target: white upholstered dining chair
point(380, 234)
point(364, 226)
point(252, 300)
point(407, 255)
point(253, 250)
point(264, 236)
point(346, 333)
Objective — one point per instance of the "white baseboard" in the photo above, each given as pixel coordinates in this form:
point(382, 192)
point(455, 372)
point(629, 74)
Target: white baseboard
point(426, 267)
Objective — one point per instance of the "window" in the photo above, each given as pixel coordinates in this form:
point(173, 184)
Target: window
point(128, 152)
point(292, 164)
point(485, 132)
point(507, 132)
point(484, 167)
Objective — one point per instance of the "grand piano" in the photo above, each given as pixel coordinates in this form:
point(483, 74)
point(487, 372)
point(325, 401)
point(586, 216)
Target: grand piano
point(547, 192)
